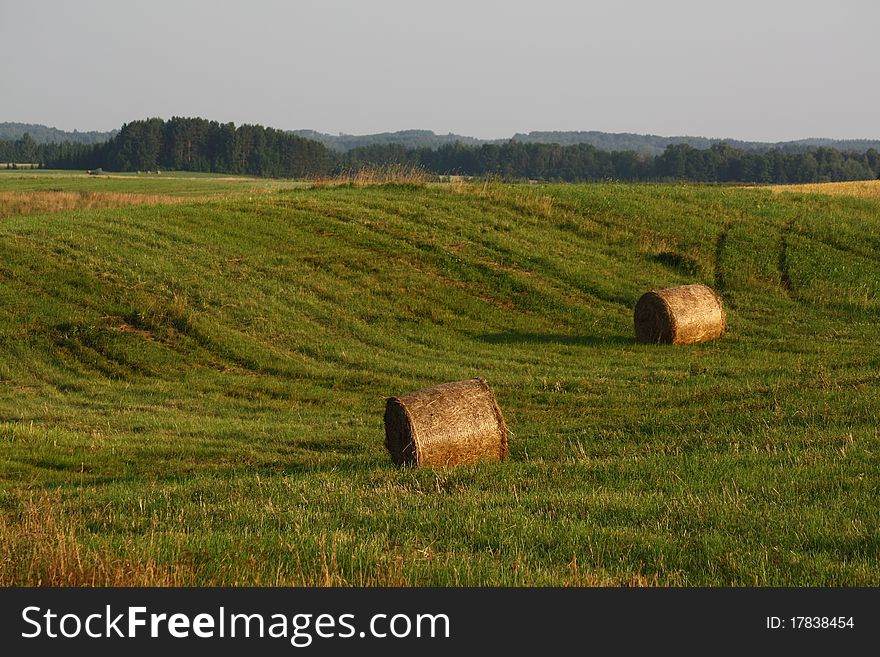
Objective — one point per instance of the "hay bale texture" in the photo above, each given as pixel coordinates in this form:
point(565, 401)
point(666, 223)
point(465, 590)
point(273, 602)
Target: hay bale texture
point(680, 315)
point(445, 425)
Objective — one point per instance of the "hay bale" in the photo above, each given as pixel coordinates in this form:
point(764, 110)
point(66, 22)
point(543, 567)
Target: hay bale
point(446, 425)
point(680, 315)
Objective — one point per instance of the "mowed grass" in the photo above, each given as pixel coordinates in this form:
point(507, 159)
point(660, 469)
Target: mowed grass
point(193, 393)
point(179, 183)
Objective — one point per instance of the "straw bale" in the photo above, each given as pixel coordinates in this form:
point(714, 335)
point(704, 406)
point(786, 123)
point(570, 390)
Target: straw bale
point(445, 425)
point(687, 314)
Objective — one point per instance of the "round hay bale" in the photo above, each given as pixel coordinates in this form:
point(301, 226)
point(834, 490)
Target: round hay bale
point(445, 425)
point(680, 315)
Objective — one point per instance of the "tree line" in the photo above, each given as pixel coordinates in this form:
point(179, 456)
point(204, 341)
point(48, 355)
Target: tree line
point(187, 144)
point(194, 144)
point(584, 163)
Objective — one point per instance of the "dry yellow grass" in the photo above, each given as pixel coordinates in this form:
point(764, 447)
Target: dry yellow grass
point(862, 188)
point(378, 175)
point(27, 203)
point(44, 546)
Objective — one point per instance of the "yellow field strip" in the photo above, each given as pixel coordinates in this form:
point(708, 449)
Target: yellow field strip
point(862, 188)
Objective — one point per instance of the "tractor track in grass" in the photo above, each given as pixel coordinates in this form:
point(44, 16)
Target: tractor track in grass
point(720, 244)
point(782, 262)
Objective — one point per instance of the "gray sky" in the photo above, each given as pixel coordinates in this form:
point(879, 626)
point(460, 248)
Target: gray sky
point(764, 70)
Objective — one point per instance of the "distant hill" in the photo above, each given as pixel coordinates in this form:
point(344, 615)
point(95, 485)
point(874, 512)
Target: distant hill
point(655, 145)
point(408, 138)
point(860, 145)
point(606, 141)
point(611, 141)
point(45, 135)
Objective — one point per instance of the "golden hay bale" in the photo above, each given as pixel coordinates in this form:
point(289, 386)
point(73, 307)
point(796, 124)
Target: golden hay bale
point(445, 425)
point(680, 315)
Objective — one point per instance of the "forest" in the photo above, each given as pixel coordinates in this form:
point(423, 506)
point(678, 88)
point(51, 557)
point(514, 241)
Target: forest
point(195, 144)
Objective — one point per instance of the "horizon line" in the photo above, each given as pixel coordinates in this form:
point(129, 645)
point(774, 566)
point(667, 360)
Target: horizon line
point(466, 136)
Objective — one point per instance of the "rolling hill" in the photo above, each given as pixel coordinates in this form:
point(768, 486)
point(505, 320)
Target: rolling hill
point(193, 393)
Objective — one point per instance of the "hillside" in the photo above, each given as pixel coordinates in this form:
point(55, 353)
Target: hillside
point(343, 143)
point(193, 393)
point(655, 145)
point(606, 141)
point(45, 135)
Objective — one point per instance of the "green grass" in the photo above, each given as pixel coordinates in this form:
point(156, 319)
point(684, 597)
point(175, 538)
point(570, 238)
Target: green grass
point(200, 387)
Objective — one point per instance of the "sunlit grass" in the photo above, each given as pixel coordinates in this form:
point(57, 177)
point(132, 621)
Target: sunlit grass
point(860, 188)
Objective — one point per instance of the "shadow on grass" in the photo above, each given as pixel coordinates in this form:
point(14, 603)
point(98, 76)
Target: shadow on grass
point(516, 337)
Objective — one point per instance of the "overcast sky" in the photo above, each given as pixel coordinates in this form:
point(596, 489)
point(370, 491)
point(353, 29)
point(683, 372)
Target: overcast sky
point(765, 70)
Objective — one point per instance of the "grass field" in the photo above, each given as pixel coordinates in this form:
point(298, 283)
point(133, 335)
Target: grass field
point(192, 393)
